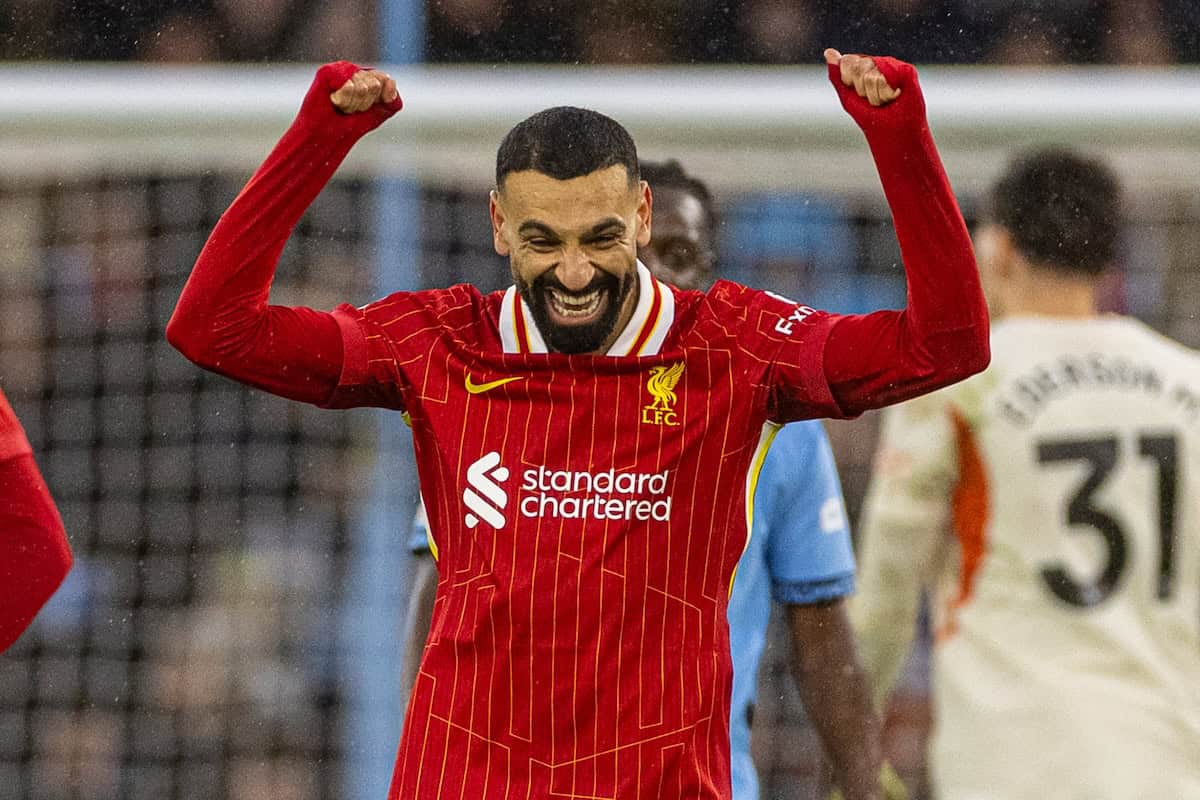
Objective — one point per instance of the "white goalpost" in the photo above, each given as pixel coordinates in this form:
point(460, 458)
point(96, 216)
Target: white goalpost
point(745, 127)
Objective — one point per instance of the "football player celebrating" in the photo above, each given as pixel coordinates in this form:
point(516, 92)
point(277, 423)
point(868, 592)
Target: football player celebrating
point(586, 440)
point(799, 551)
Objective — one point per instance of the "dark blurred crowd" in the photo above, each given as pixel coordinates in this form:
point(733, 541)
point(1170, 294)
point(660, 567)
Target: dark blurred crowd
point(611, 31)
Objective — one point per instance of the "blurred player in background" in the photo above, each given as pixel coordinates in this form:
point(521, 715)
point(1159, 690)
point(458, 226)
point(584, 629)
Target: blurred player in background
point(586, 438)
point(799, 550)
point(34, 554)
point(1049, 507)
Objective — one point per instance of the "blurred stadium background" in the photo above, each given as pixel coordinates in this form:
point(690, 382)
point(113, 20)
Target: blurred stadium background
point(232, 625)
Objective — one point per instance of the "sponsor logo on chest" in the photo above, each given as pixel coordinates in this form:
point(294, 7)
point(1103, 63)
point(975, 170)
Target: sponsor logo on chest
point(563, 494)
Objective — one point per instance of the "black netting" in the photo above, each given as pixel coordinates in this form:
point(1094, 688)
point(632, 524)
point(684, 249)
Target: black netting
point(191, 652)
point(194, 650)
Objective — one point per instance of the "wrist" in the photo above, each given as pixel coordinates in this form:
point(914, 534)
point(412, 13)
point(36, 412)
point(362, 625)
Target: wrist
point(897, 141)
point(896, 121)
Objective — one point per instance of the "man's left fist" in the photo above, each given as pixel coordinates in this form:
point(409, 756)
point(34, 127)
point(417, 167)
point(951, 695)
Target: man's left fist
point(861, 73)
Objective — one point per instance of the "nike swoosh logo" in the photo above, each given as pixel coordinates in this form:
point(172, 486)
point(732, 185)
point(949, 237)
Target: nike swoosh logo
point(480, 388)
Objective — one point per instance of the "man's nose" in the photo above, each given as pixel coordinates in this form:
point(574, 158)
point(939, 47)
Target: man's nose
point(575, 271)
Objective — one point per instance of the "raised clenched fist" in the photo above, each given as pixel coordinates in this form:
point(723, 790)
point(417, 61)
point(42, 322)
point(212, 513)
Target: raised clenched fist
point(363, 90)
point(861, 73)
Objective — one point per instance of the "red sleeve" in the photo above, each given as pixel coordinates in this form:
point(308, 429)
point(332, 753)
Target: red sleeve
point(12, 435)
point(223, 321)
point(387, 343)
point(784, 344)
point(34, 554)
point(371, 370)
point(941, 336)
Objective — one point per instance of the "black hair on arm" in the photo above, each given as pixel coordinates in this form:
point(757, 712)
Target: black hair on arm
point(1062, 209)
point(566, 142)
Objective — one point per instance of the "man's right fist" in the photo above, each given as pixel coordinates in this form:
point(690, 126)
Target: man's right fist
point(364, 89)
point(345, 98)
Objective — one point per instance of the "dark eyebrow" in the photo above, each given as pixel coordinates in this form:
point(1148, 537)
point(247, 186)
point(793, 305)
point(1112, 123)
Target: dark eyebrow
point(615, 223)
point(533, 226)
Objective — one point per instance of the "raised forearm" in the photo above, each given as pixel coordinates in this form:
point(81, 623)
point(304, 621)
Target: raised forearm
point(223, 321)
point(942, 335)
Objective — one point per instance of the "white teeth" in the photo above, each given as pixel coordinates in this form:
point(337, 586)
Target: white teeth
point(576, 305)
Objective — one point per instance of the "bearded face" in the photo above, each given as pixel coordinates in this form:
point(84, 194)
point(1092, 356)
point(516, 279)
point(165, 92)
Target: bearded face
point(572, 245)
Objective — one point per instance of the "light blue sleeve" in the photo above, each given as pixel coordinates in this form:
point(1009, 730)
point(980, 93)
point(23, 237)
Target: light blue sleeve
point(809, 553)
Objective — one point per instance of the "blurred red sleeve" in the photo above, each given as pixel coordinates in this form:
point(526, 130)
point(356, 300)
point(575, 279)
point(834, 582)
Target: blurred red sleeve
point(34, 554)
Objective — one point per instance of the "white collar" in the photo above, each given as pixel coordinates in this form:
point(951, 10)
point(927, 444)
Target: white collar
point(643, 335)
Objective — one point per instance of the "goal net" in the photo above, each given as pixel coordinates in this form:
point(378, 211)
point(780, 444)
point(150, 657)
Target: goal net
point(232, 626)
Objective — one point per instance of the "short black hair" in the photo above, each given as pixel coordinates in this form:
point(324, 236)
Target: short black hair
point(671, 175)
point(565, 142)
point(1062, 209)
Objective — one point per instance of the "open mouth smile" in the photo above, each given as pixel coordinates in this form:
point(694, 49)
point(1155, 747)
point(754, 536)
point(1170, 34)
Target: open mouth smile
point(575, 309)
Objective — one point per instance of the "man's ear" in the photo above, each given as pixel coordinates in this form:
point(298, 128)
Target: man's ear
point(497, 214)
point(644, 213)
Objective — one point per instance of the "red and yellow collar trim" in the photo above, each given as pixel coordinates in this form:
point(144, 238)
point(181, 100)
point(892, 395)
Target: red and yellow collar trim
point(643, 336)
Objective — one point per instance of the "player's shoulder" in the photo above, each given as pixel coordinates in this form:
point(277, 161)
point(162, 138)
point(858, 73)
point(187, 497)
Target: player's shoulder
point(457, 316)
point(453, 307)
point(758, 313)
point(1020, 340)
point(437, 302)
point(686, 302)
point(739, 297)
point(1156, 341)
point(1011, 337)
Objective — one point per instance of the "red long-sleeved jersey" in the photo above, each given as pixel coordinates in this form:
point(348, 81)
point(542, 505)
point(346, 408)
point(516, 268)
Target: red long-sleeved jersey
point(34, 554)
point(588, 510)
